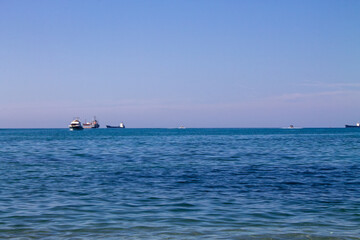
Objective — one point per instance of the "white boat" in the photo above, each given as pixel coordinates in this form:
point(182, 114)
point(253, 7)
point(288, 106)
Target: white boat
point(75, 125)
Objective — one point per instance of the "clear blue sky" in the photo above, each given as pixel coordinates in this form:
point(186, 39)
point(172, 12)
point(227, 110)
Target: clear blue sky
point(169, 63)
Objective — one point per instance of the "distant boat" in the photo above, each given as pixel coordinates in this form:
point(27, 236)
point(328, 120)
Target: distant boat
point(121, 125)
point(353, 126)
point(75, 125)
point(93, 124)
point(181, 127)
point(292, 127)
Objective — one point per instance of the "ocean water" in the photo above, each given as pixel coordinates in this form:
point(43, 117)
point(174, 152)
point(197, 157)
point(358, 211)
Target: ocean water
point(180, 184)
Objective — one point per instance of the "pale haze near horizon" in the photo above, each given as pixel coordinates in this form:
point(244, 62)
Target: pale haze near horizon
point(172, 63)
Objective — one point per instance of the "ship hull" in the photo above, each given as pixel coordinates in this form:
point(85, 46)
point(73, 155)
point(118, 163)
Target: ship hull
point(76, 128)
point(91, 125)
point(107, 126)
point(88, 127)
point(352, 126)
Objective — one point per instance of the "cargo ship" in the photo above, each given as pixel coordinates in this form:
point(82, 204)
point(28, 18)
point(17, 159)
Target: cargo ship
point(353, 126)
point(121, 125)
point(93, 124)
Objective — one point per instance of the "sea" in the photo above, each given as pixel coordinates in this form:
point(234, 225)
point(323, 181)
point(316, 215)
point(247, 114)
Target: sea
point(180, 183)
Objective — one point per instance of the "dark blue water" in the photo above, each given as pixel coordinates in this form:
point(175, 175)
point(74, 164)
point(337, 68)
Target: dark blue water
point(180, 184)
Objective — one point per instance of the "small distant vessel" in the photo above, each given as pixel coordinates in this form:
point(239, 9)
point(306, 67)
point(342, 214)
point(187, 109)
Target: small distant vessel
point(181, 127)
point(292, 127)
point(121, 125)
point(353, 126)
point(75, 125)
point(93, 124)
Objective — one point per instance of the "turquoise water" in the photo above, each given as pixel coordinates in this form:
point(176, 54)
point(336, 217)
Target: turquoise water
point(180, 184)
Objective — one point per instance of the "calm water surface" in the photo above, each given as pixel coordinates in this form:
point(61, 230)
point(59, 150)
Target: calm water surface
point(180, 184)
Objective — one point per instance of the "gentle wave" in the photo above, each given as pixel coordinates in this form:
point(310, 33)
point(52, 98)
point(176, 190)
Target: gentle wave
point(180, 184)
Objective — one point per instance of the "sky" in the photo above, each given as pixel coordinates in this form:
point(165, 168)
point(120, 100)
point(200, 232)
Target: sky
point(161, 63)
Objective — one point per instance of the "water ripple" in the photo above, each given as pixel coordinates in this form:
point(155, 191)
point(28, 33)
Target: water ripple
point(180, 184)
